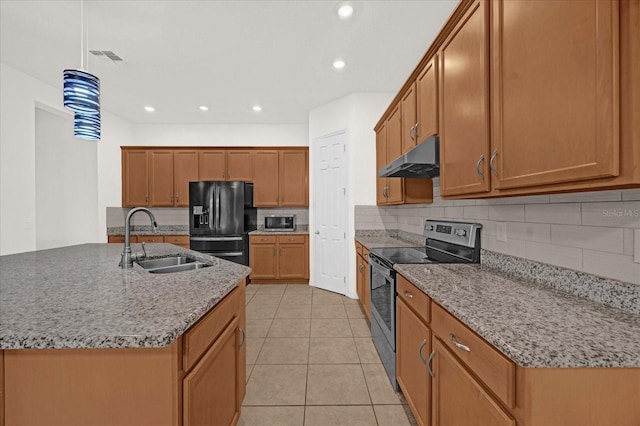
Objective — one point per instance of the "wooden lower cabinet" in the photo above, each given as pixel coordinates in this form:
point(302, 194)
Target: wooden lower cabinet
point(199, 379)
point(363, 287)
point(279, 258)
point(458, 399)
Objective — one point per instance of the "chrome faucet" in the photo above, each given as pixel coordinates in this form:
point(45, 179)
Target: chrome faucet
point(126, 261)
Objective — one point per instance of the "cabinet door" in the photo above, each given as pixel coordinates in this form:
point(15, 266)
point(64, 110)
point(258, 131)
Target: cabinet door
point(135, 178)
point(360, 278)
point(555, 91)
point(427, 100)
point(408, 111)
point(185, 170)
point(265, 174)
point(394, 150)
point(212, 164)
point(293, 177)
point(381, 161)
point(457, 398)
point(263, 261)
point(464, 105)
point(161, 178)
point(210, 390)
point(366, 287)
point(412, 350)
point(293, 258)
point(240, 165)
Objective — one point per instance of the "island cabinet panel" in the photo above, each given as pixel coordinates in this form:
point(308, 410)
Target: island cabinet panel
point(185, 170)
point(212, 165)
point(464, 104)
point(161, 178)
point(135, 178)
point(265, 186)
point(458, 399)
point(555, 91)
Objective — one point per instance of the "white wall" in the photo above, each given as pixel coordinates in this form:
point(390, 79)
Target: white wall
point(357, 114)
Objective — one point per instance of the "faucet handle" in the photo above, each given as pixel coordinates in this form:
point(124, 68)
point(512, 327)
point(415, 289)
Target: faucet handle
point(144, 252)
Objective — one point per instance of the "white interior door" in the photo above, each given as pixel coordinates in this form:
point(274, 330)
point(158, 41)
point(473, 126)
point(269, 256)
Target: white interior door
point(329, 233)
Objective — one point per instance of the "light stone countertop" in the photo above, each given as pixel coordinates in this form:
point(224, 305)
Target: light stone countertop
point(78, 297)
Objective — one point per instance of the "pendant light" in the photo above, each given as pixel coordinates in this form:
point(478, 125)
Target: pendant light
point(81, 92)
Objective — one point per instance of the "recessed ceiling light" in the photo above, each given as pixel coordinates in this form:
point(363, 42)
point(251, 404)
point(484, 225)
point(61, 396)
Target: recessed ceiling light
point(204, 108)
point(339, 64)
point(256, 108)
point(345, 10)
point(149, 108)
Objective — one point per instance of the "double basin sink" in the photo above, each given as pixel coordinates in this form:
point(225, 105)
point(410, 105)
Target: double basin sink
point(166, 265)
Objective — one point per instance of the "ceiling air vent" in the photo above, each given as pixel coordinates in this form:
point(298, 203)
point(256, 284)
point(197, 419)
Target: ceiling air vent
point(108, 54)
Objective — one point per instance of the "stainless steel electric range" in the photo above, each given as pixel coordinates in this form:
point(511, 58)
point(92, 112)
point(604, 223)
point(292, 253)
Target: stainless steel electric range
point(446, 242)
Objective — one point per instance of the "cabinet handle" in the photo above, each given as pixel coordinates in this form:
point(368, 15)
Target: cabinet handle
point(408, 295)
point(177, 198)
point(244, 338)
point(274, 252)
point(361, 268)
point(411, 133)
point(478, 171)
point(415, 132)
point(458, 344)
point(429, 364)
point(422, 345)
point(263, 239)
point(146, 199)
point(280, 252)
point(493, 157)
point(222, 175)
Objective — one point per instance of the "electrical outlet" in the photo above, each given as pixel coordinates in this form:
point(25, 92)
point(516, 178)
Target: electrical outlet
point(501, 231)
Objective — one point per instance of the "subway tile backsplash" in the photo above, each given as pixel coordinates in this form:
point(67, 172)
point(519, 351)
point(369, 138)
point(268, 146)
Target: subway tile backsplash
point(593, 232)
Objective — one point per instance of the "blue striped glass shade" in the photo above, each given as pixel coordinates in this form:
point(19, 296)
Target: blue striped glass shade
point(81, 92)
point(87, 127)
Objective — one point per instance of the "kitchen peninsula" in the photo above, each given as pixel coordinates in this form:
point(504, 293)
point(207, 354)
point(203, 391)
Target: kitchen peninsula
point(83, 341)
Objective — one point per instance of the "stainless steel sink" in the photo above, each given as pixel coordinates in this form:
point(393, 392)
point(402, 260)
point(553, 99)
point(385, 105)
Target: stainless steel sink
point(179, 268)
point(165, 261)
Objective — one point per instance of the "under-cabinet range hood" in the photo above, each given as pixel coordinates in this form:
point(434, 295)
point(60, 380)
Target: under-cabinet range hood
point(423, 161)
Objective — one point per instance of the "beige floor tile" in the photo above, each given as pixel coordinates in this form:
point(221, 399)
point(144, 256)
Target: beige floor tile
point(366, 351)
point(250, 289)
point(265, 288)
point(349, 415)
point(258, 328)
point(284, 351)
point(354, 311)
point(379, 385)
point(349, 301)
point(360, 327)
point(391, 415)
point(333, 350)
point(299, 289)
point(272, 416)
point(249, 297)
point(330, 328)
point(277, 385)
point(336, 385)
point(290, 328)
point(328, 311)
point(266, 299)
point(323, 297)
point(256, 311)
point(293, 312)
point(295, 298)
point(248, 371)
point(253, 349)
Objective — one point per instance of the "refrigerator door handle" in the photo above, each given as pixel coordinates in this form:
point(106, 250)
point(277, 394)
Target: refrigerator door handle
point(216, 238)
point(217, 203)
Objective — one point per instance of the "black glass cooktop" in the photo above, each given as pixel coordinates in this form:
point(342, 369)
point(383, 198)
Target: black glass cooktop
point(403, 254)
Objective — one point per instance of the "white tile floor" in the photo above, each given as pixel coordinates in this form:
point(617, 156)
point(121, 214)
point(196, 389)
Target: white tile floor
point(311, 361)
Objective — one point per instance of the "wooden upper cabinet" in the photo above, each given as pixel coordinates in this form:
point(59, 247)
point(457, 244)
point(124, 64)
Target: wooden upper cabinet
point(394, 150)
point(185, 170)
point(427, 101)
point(381, 158)
point(212, 165)
point(555, 91)
point(464, 104)
point(409, 121)
point(135, 178)
point(161, 178)
point(265, 187)
point(240, 165)
point(293, 177)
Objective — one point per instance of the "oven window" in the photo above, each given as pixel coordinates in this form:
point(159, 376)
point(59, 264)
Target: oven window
point(382, 296)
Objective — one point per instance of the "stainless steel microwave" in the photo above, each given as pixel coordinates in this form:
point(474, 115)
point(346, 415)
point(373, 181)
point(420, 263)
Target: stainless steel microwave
point(280, 223)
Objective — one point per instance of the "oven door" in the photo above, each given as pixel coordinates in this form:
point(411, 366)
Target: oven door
point(383, 300)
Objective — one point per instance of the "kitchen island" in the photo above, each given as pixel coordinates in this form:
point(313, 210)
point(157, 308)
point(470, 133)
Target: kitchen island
point(83, 341)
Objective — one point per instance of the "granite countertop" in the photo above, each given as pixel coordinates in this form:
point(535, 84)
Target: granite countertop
point(148, 230)
point(78, 297)
point(532, 324)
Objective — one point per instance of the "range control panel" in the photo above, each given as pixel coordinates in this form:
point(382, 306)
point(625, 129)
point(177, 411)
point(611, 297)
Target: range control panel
point(460, 233)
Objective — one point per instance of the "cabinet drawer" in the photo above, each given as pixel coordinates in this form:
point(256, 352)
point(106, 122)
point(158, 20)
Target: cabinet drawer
point(203, 333)
point(150, 238)
point(291, 239)
point(120, 239)
point(365, 254)
point(414, 298)
point(359, 248)
point(179, 240)
point(486, 362)
point(262, 239)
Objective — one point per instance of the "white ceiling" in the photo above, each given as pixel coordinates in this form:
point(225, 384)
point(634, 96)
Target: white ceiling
point(227, 55)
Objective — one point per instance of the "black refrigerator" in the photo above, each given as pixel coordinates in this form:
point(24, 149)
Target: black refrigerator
point(221, 214)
